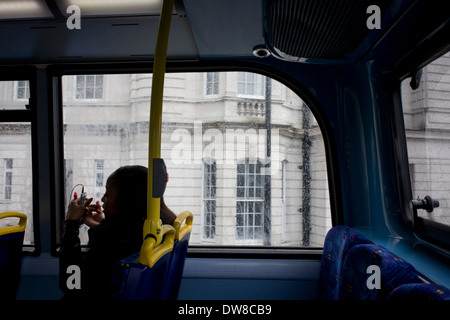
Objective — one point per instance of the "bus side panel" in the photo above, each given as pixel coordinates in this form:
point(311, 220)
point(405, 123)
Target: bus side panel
point(262, 279)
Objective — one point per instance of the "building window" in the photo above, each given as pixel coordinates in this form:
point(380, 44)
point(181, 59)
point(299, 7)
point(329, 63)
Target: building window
point(250, 201)
point(251, 85)
point(99, 172)
point(212, 84)
point(209, 199)
point(7, 178)
point(22, 90)
point(89, 87)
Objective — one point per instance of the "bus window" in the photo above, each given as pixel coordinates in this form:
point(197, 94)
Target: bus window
point(15, 157)
point(243, 152)
point(427, 122)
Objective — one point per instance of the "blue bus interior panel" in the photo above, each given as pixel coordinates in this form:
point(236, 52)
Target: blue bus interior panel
point(247, 278)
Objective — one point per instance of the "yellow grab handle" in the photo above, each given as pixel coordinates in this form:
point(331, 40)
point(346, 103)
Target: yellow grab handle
point(12, 229)
point(180, 232)
point(151, 252)
point(153, 223)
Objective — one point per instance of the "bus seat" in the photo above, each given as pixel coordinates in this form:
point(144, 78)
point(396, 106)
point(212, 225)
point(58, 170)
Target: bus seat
point(182, 236)
point(358, 280)
point(11, 242)
point(338, 241)
point(420, 291)
point(142, 276)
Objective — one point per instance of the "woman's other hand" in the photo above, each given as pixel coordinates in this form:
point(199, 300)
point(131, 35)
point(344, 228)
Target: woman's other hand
point(94, 215)
point(76, 210)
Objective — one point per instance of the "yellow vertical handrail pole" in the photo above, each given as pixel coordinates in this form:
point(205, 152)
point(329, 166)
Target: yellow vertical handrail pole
point(153, 223)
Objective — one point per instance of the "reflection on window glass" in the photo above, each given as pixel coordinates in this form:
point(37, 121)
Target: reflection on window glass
point(215, 150)
point(16, 176)
point(427, 122)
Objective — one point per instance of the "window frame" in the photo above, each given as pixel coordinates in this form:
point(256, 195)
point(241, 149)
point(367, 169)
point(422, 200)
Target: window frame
point(27, 116)
point(332, 169)
point(432, 232)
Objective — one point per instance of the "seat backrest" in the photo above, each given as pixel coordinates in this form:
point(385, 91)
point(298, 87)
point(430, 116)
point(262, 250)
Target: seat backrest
point(420, 291)
point(371, 272)
point(338, 241)
point(182, 236)
point(143, 276)
point(11, 242)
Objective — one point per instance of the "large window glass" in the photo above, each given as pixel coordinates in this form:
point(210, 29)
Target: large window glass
point(242, 181)
point(16, 189)
point(16, 176)
point(426, 110)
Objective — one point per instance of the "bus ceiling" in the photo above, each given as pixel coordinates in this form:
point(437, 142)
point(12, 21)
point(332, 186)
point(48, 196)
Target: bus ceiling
point(326, 31)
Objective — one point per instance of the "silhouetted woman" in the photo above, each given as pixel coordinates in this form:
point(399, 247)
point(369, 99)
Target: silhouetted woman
point(115, 231)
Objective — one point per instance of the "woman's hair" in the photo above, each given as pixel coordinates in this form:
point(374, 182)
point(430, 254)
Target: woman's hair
point(131, 182)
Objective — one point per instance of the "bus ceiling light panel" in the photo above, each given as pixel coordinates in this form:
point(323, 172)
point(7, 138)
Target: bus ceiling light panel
point(111, 7)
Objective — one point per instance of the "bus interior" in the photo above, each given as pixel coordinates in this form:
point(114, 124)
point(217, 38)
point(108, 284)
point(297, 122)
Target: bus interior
point(282, 120)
